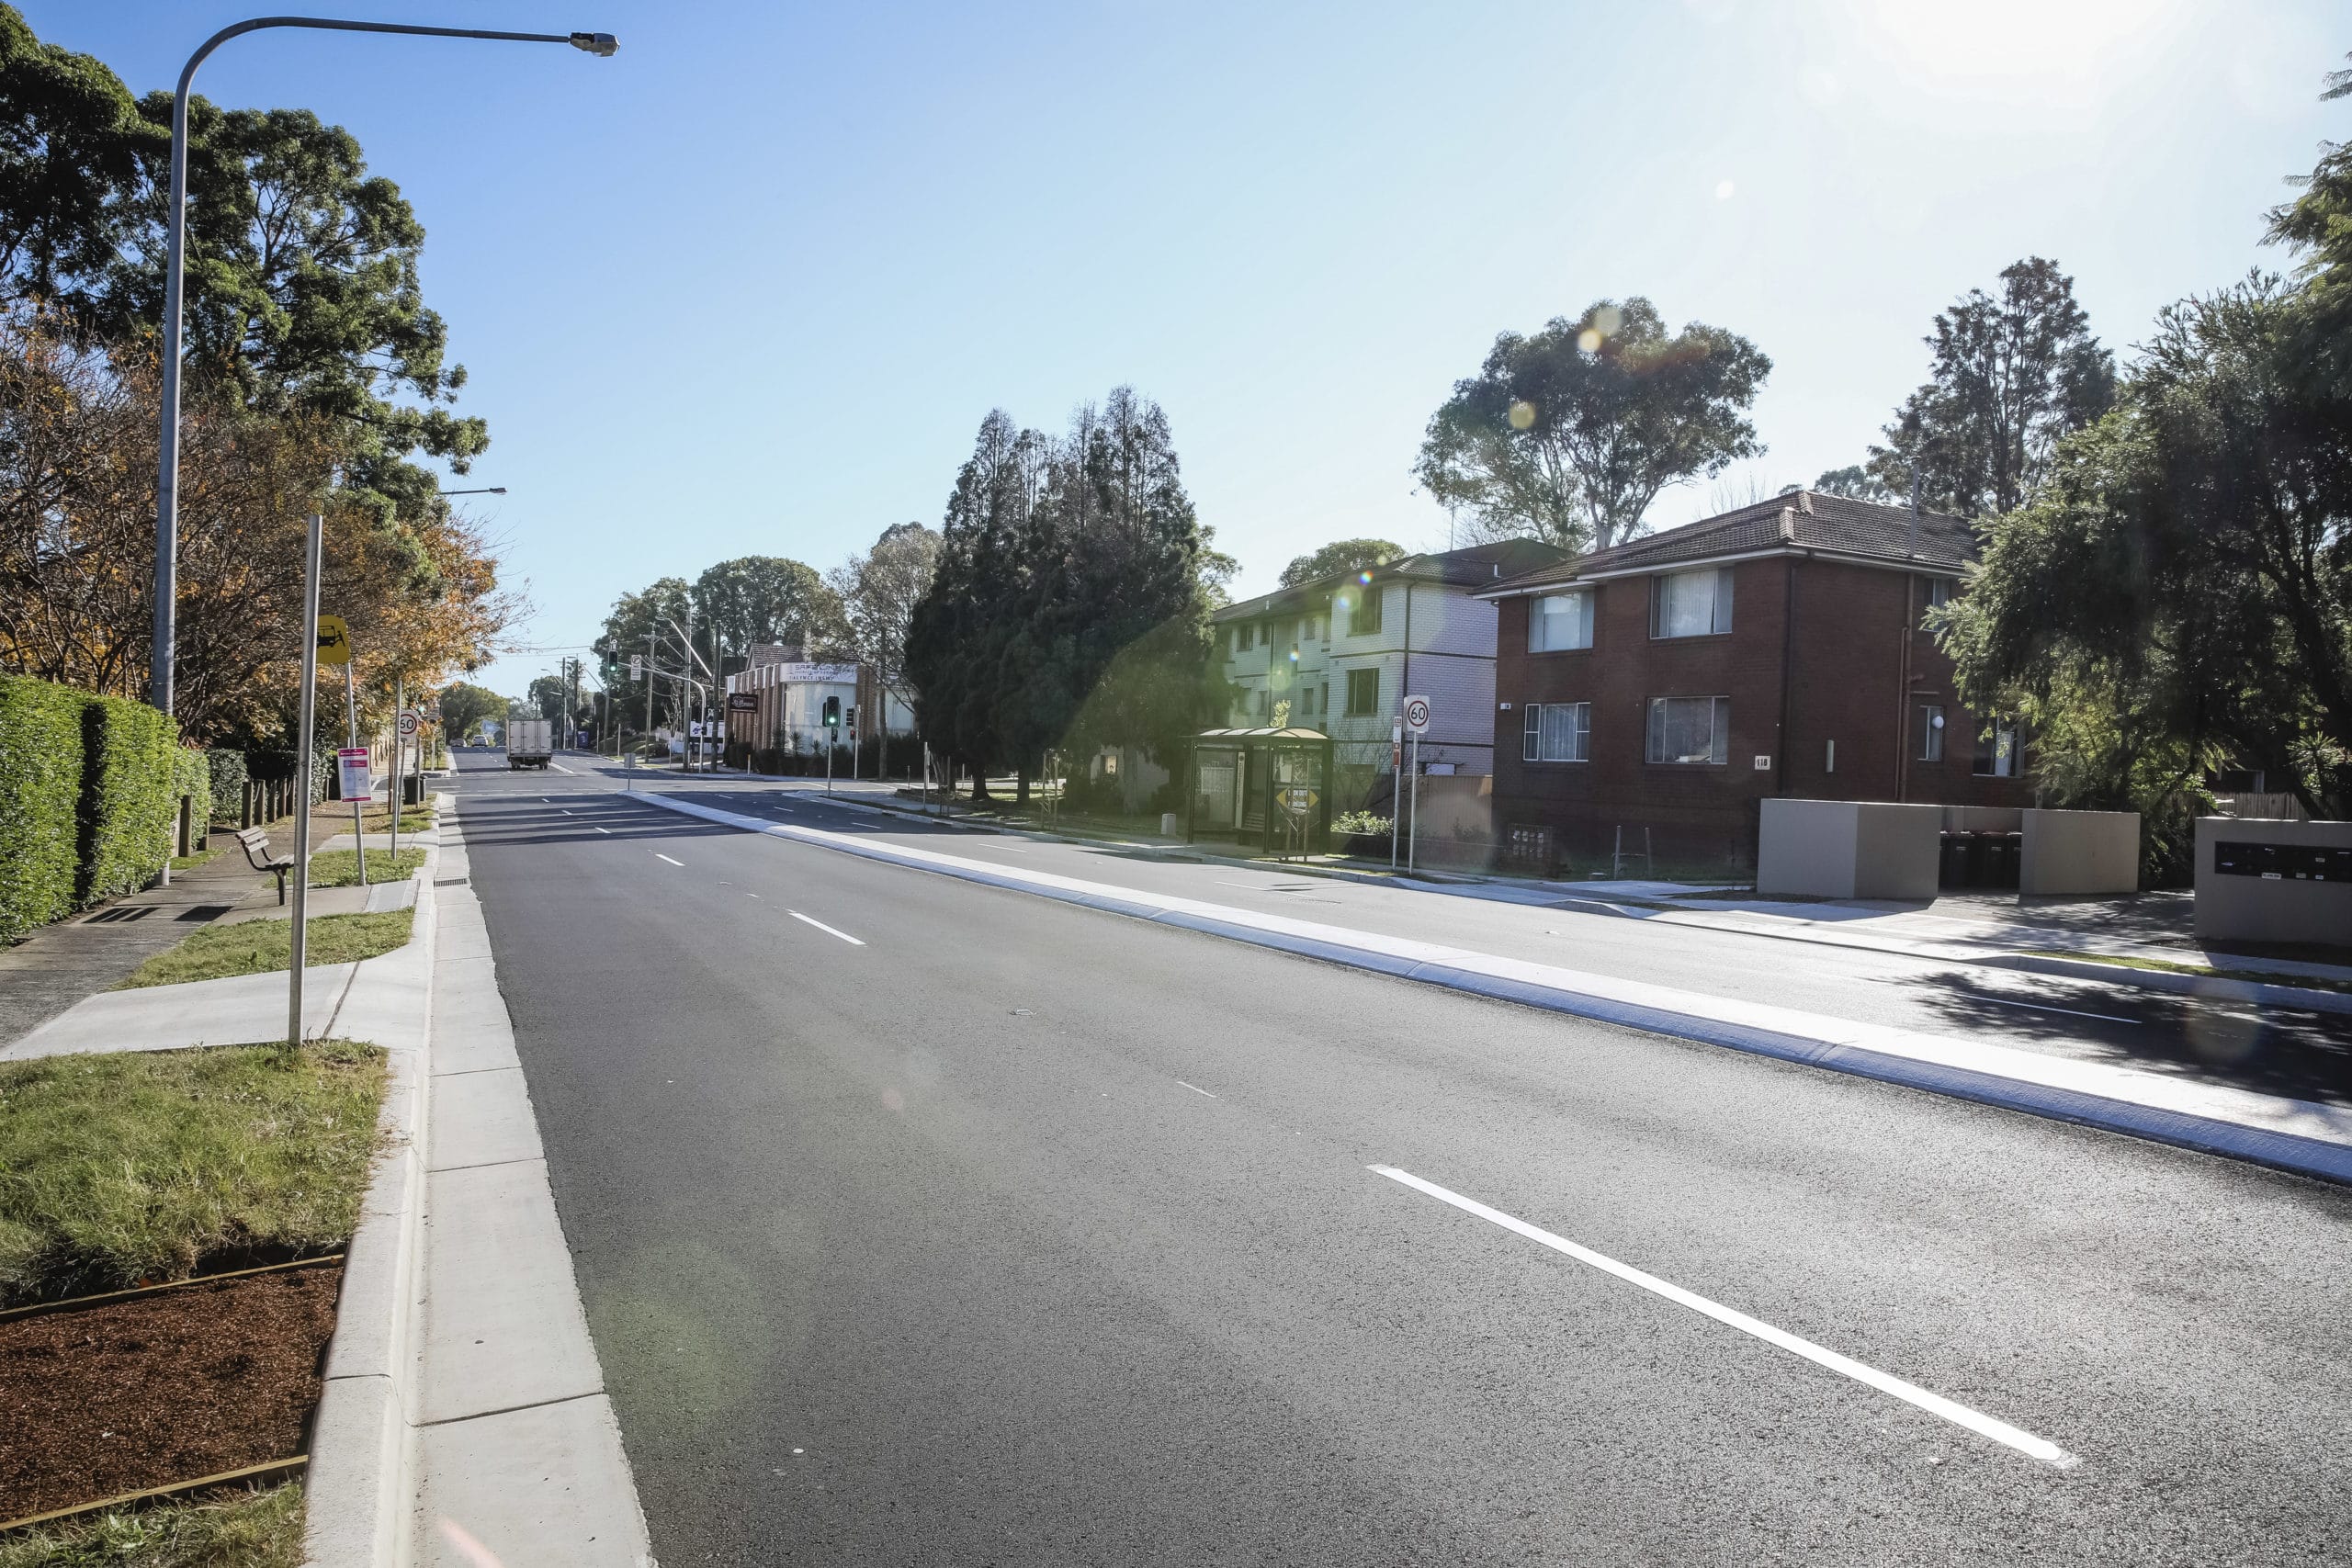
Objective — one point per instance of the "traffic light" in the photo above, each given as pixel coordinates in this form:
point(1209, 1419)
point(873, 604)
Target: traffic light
point(832, 713)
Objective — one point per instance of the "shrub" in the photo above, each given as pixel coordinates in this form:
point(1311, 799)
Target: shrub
point(40, 780)
point(227, 773)
point(128, 800)
point(192, 776)
point(1363, 822)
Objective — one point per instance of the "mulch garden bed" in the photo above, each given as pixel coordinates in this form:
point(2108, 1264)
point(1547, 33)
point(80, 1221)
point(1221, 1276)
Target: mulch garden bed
point(153, 1389)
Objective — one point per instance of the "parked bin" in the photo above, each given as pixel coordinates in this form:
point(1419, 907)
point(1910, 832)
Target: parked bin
point(1951, 860)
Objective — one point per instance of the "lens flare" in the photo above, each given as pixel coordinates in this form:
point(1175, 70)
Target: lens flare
point(1589, 340)
point(1523, 412)
point(1607, 319)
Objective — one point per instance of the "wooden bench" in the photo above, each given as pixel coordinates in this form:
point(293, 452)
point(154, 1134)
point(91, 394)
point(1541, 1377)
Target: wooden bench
point(257, 846)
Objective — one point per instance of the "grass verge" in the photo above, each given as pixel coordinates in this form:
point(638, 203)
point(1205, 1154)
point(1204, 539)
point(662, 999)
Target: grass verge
point(261, 947)
point(143, 1166)
point(413, 820)
point(256, 1528)
point(2166, 966)
point(340, 868)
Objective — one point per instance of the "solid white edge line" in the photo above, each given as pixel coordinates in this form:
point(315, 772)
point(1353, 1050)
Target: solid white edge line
point(829, 930)
point(1910, 1393)
point(2045, 1006)
point(659, 855)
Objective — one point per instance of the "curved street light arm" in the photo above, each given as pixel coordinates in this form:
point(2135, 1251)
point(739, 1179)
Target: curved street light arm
point(167, 486)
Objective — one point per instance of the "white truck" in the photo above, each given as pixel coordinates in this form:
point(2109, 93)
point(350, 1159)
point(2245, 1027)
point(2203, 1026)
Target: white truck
point(529, 743)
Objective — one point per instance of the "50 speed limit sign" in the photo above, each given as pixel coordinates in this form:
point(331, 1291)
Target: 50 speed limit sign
point(1417, 713)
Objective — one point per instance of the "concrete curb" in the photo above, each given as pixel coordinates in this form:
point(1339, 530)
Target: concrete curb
point(2207, 988)
point(362, 1468)
point(2054, 1087)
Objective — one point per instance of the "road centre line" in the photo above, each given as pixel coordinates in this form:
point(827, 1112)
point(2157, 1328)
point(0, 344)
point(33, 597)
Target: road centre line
point(2045, 1006)
point(829, 930)
point(1957, 1414)
point(659, 855)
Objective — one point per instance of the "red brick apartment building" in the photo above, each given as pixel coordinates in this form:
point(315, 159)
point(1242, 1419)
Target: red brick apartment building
point(1670, 684)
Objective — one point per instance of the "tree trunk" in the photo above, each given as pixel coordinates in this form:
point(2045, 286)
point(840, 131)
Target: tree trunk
point(1020, 776)
point(979, 782)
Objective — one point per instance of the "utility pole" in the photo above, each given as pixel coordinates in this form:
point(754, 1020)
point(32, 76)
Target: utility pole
point(648, 692)
point(685, 677)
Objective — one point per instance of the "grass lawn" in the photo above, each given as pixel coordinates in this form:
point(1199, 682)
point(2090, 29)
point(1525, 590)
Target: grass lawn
point(413, 820)
point(260, 947)
point(140, 1166)
point(252, 1528)
point(340, 868)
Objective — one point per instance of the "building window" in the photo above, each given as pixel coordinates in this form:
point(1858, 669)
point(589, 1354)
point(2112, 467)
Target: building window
point(1265, 703)
point(1691, 603)
point(1558, 622)
point(1931, 732)
point(1690, 730)
point(1363, 693)
point(1939, 594)
point(1997, 753)
point(1558, 732)
point(1366, 619)
point(1242, 634)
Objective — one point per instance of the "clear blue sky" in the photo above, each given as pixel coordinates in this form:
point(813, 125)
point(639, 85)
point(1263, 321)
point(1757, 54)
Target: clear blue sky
point(750, 286)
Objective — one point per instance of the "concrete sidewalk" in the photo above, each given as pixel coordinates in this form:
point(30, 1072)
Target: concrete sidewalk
point(462, 1417)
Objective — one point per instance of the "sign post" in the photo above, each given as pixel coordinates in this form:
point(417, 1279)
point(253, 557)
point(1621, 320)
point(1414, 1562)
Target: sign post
point(1395, 785)
point(1417, 719)
point(312, 632)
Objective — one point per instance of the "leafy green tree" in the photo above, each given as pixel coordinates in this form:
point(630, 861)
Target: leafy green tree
point(757, 599)
point(879, 592)
point(548, 693)
point(1341, 555)
point(1856, 481)
point(465, 705)
point(956, 636)
point(2013, 373)
point(1568, 435)
point(656, 613)
point(71, 141)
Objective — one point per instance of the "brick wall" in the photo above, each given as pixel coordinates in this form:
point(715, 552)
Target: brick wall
point(1859, 668)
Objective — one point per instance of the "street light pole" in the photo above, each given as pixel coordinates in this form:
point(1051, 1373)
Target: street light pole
point(167, 480)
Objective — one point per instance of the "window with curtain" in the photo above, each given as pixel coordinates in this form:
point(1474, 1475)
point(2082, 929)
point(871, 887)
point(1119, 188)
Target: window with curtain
point(1363, 693)
point(1691, 603)
point(1558, 622)
point(1998, 755)
point(1689, 730)
point(1558, 732)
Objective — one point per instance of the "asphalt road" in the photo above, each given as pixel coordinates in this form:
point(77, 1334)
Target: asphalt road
point(925, 1223)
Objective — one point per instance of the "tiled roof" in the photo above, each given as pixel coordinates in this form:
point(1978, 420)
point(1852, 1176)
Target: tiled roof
point(1475, 566)
point(1800, 521)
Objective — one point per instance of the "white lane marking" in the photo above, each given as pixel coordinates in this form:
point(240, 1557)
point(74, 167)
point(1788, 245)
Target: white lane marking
point(829, 930)
point(567, 811)
point(659, 855)
point(1253, 886)
point(2045, 1006)
point(751, 896)
point(1194, 1087)
point(559, 768)
point(606, 831)
point(547, 800)
point(1910, 1393)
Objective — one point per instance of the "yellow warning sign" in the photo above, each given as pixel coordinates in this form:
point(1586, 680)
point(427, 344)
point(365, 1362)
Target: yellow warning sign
point(334, 640)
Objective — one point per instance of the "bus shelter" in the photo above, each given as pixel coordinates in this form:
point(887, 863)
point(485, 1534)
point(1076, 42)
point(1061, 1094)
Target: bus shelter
point(1267, 786)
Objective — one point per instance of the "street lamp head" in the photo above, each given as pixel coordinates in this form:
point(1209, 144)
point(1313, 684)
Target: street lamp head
point(601, 45)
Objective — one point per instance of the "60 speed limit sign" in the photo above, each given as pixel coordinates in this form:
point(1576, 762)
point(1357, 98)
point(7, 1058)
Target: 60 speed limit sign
point(1417, 713)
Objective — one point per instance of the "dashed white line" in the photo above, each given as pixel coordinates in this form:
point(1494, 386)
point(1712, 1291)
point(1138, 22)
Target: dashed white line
point(1194, 1087)
point(751, 896)
point(1957, 1414)
point(606, 831)
point(659, 855)
point(821, 926)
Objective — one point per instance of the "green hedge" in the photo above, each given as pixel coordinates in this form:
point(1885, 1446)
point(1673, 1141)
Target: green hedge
point(192, 776)
point(89, 794)
point(40, 783)
point(129, 763)
point(228, 774)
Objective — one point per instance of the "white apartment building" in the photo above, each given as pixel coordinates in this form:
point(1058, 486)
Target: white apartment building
point(1341, 653)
